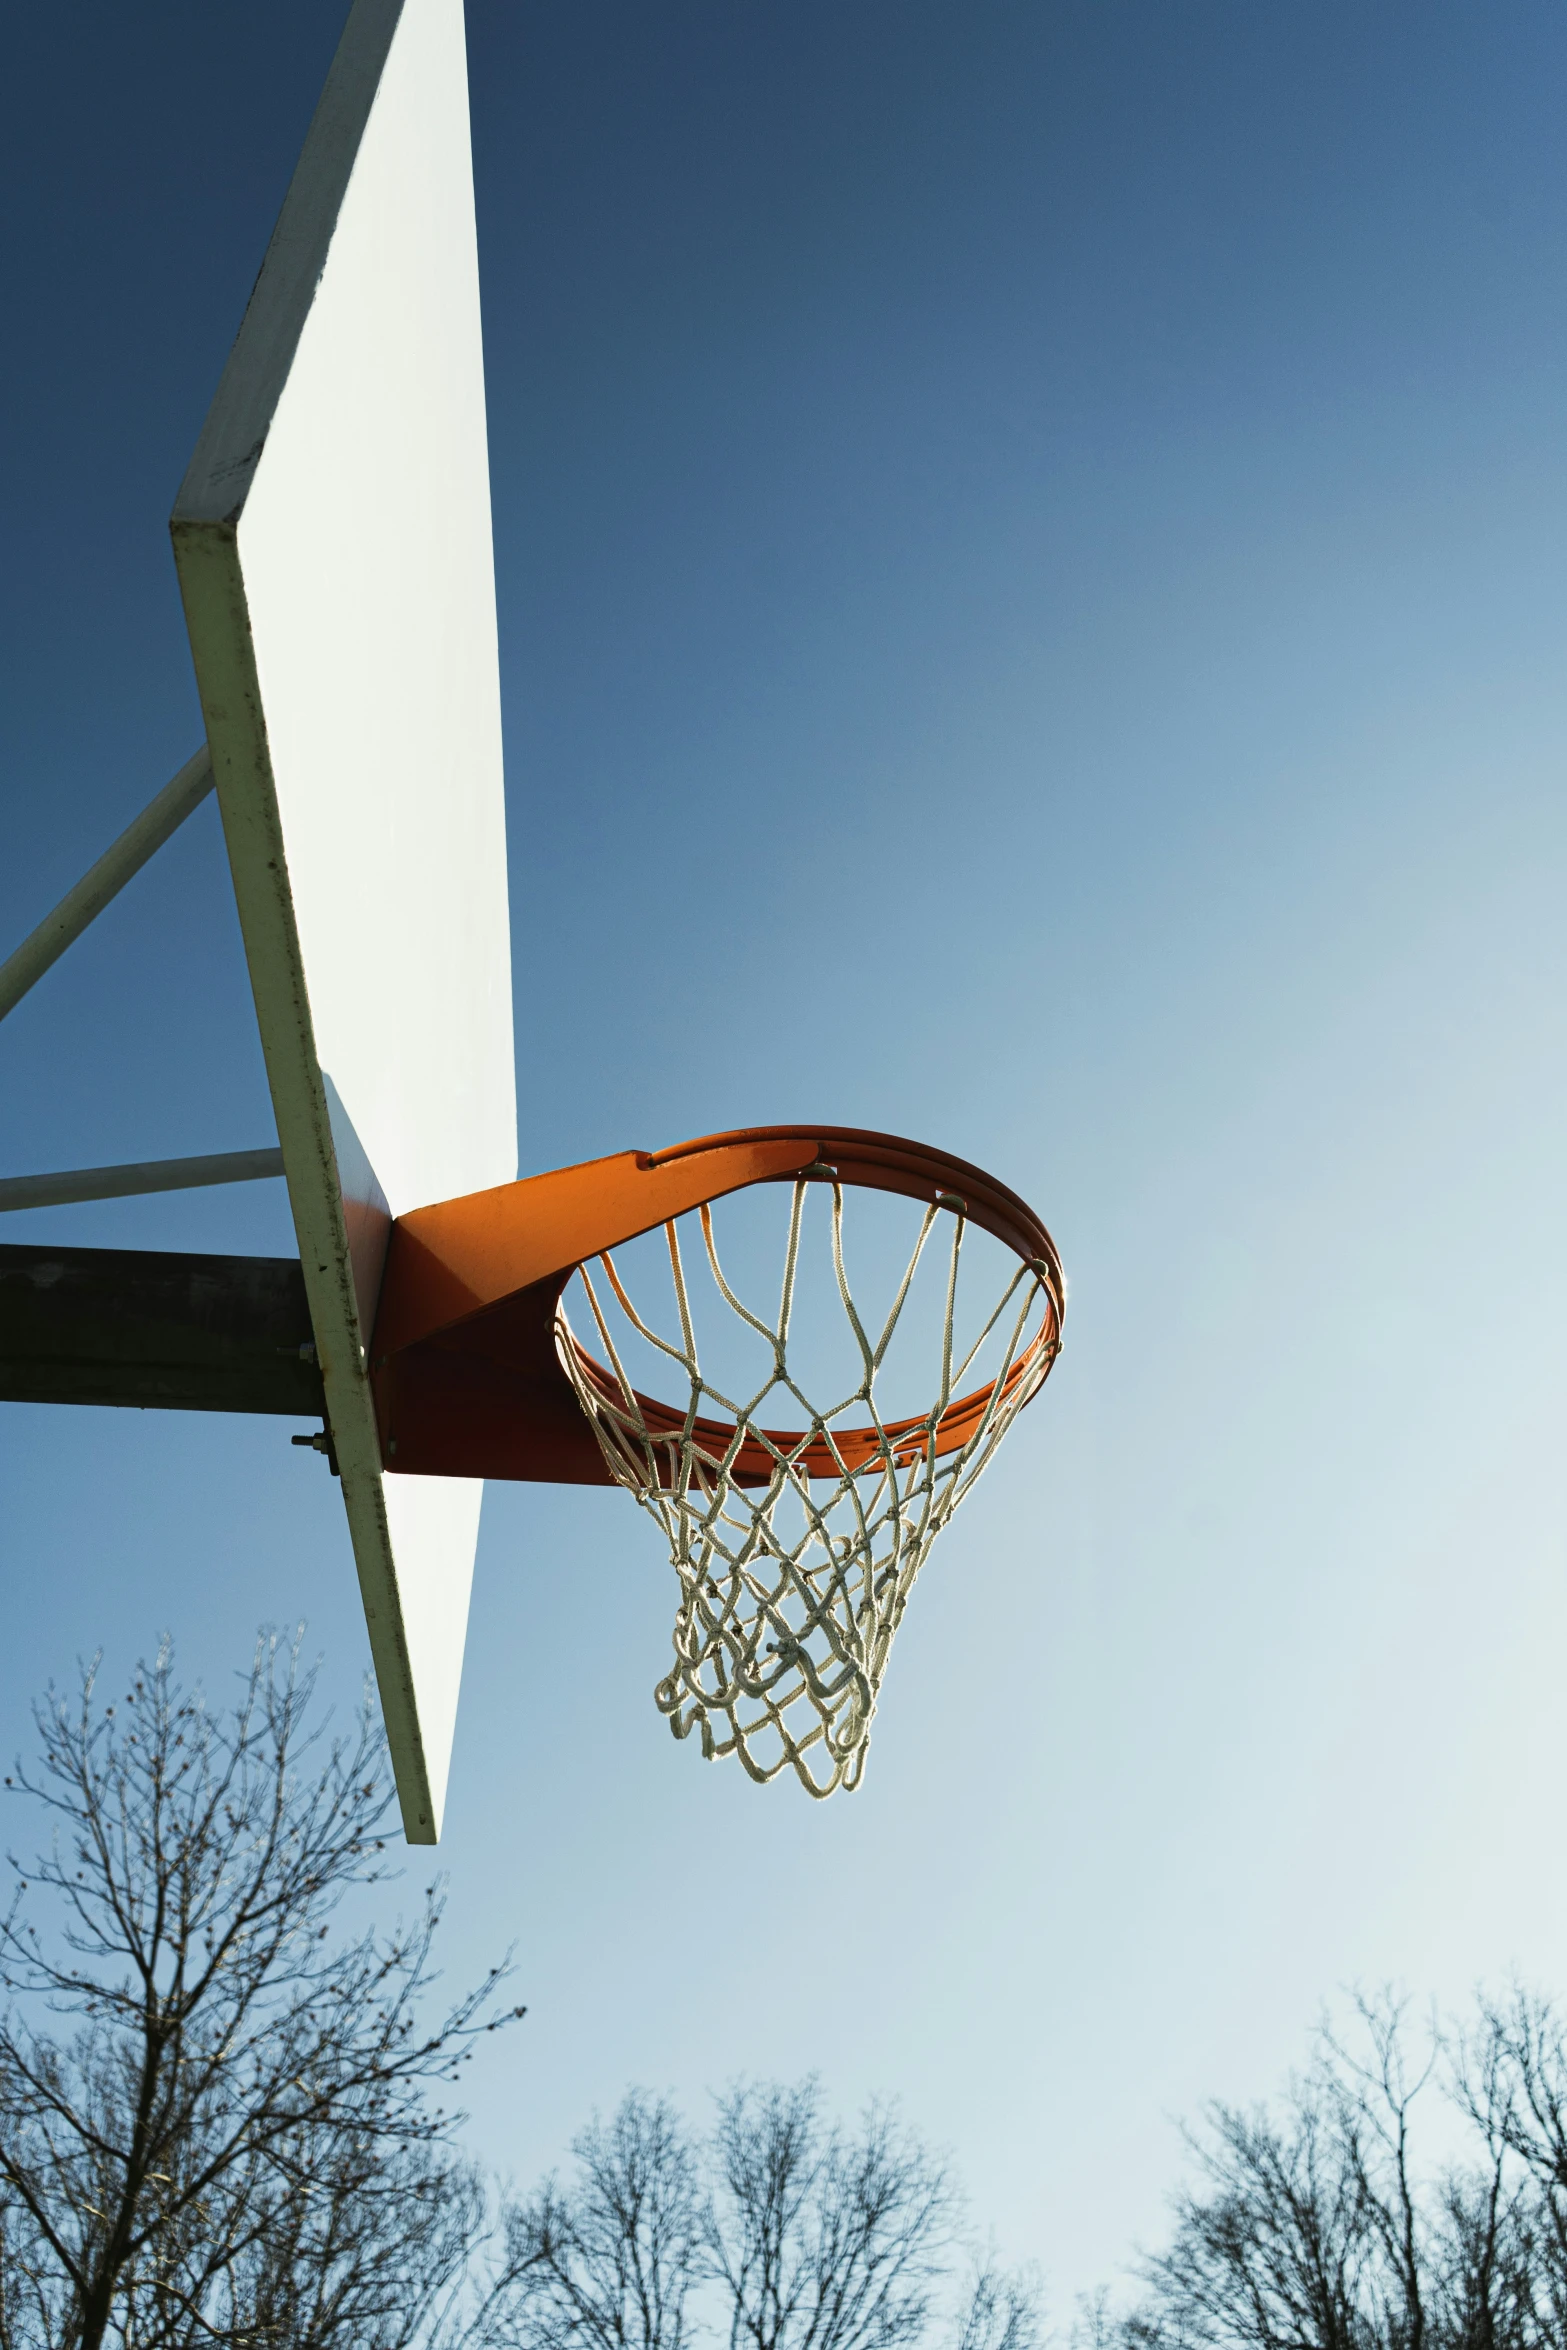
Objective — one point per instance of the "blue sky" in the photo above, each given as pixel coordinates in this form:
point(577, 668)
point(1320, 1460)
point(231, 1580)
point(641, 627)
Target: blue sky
point(1032, 555)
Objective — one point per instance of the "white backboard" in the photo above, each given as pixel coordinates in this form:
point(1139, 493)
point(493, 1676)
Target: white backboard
point(334, 551)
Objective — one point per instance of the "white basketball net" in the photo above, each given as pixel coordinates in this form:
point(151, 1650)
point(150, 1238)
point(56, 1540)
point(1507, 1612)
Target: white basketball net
point(793, 1584)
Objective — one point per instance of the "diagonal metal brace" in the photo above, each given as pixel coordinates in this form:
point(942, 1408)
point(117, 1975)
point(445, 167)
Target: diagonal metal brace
point(143, 1175)
point(140, 840)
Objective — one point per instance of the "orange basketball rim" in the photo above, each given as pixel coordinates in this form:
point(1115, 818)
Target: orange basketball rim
point(466, 1360)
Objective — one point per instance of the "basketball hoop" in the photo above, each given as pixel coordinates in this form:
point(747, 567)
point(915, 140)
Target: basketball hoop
point(796, 1547)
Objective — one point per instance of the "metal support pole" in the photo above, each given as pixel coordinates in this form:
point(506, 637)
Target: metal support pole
point(108, 877)
point(53, 1191)
point(146, 1331)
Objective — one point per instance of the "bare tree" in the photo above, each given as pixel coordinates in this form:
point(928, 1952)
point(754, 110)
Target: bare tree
point(1312, 2225)
point(822, 2239)
point(215, 2123)
point(778, 2231)
point(610, 2264)
point(1510, 2080)
point(1001, 2310)
point(1270, 2246)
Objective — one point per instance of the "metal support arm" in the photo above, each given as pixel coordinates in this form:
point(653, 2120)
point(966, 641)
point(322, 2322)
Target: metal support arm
point(108, 877)
point(140, 1328)
point(53, 1191)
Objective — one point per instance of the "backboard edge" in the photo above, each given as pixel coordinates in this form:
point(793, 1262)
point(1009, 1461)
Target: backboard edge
point(234, 434)
point(217, 622)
